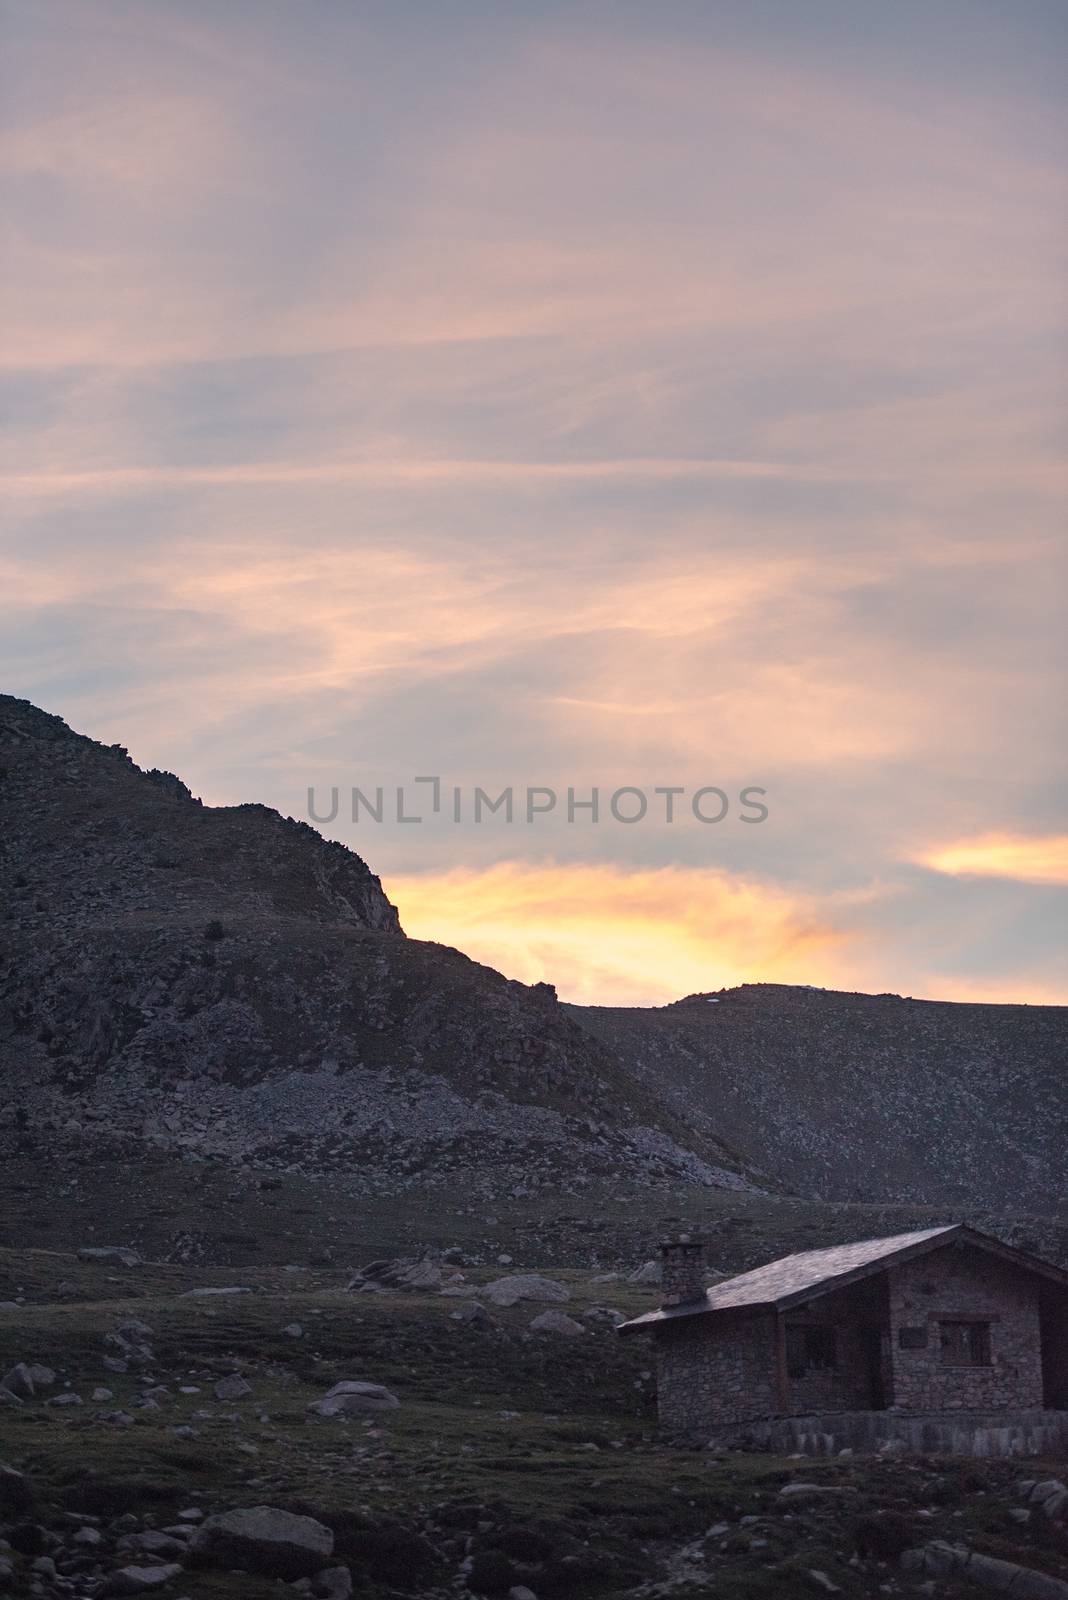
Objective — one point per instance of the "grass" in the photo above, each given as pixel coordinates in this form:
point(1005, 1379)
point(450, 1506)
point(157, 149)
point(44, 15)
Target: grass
point(535, 1458)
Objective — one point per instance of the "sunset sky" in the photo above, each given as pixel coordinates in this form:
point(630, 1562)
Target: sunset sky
point(566, 394)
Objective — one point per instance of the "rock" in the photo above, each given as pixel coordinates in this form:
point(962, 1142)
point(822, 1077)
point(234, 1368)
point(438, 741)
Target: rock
point(88, 1538)
point(164, 1546)
point(333, 1583)
point(234, 1387)
point(263, 1539)
point(134, 1331)
point(822, 1581)
point(208, 1293)
point(472, 1315)
point(352, 1397)
point(293, 1330)
point(100, 1394)
point(525, 1286)
point(41, 1377)
point(556, 1322)
point(67, 1398)
point(647, 1274)
point(405, 1272)
point(519, 1591)
point(19, 1381)
point(110, 1252)
point(1051, 1499)
point(129, 1344)
point(1001, 1577)
point(606, 1315)
point(138, 1580)
point(7, 1398)
point(814, 1491)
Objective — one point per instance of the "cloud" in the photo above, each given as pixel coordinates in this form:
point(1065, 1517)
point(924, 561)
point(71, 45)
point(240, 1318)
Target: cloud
point(1000, 855)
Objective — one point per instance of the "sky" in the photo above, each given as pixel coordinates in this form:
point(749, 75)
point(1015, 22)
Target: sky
point(566, 397)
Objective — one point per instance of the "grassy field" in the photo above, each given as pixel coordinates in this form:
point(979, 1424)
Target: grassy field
point(534, 1459)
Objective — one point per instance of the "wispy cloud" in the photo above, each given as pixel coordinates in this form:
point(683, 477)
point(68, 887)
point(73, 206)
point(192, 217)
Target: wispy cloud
point(1000, 855)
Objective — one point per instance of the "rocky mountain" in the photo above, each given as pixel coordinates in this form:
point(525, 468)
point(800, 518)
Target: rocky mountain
point(223, 984)
point(865, 1097)
point(223, 981)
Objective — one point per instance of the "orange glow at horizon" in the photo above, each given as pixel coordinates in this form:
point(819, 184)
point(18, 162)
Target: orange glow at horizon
point(606, 936)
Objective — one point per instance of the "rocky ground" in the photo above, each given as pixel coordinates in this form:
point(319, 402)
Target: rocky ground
point(436, 1429)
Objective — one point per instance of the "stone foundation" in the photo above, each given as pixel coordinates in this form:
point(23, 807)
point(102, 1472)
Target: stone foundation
point(990, 1433)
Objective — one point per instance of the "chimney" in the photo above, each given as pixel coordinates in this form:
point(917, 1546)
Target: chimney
point(682, 1264)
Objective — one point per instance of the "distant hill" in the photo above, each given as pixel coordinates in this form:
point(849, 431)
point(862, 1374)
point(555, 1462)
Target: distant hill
point(864, 1097)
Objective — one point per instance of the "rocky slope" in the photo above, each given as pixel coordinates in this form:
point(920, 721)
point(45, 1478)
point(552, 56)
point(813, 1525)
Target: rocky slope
point(865, 1097)
point(226, 982)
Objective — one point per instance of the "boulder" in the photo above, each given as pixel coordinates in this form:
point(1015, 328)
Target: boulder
point(352, 1397)
point(556, 1322)
point(525, 1286)
point(472, 1315)
point(19, 1381)
point(164, 1546)
point(333, 1583)
point(263, 1539)
point(608, 1316)
point(139, 1580)
point(648, 1274)
point(110, 1252)
point(233, 1387)
point(987, 1572)
point(405, 1272)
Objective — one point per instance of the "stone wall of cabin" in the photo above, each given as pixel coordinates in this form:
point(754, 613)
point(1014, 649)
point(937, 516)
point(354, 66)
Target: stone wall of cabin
point(966, 1283)
point(713, 1370)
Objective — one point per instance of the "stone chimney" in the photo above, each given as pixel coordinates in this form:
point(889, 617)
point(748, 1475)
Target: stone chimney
point(682, 1265)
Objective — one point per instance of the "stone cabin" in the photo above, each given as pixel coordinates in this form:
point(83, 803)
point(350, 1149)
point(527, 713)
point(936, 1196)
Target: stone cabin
point(945, 1338)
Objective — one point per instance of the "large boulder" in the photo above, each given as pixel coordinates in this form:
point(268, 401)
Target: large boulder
point(648, 1274)
point(352, 1398)
point(525, 1286)
point(405, 1272)
point(262, 1539)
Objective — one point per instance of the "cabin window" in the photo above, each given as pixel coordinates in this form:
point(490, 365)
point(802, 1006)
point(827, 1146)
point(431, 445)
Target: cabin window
point(965, 1344)
point(810, 1350)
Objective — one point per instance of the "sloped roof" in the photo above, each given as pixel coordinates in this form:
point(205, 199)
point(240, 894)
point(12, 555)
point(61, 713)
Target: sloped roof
point(796, 1279)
